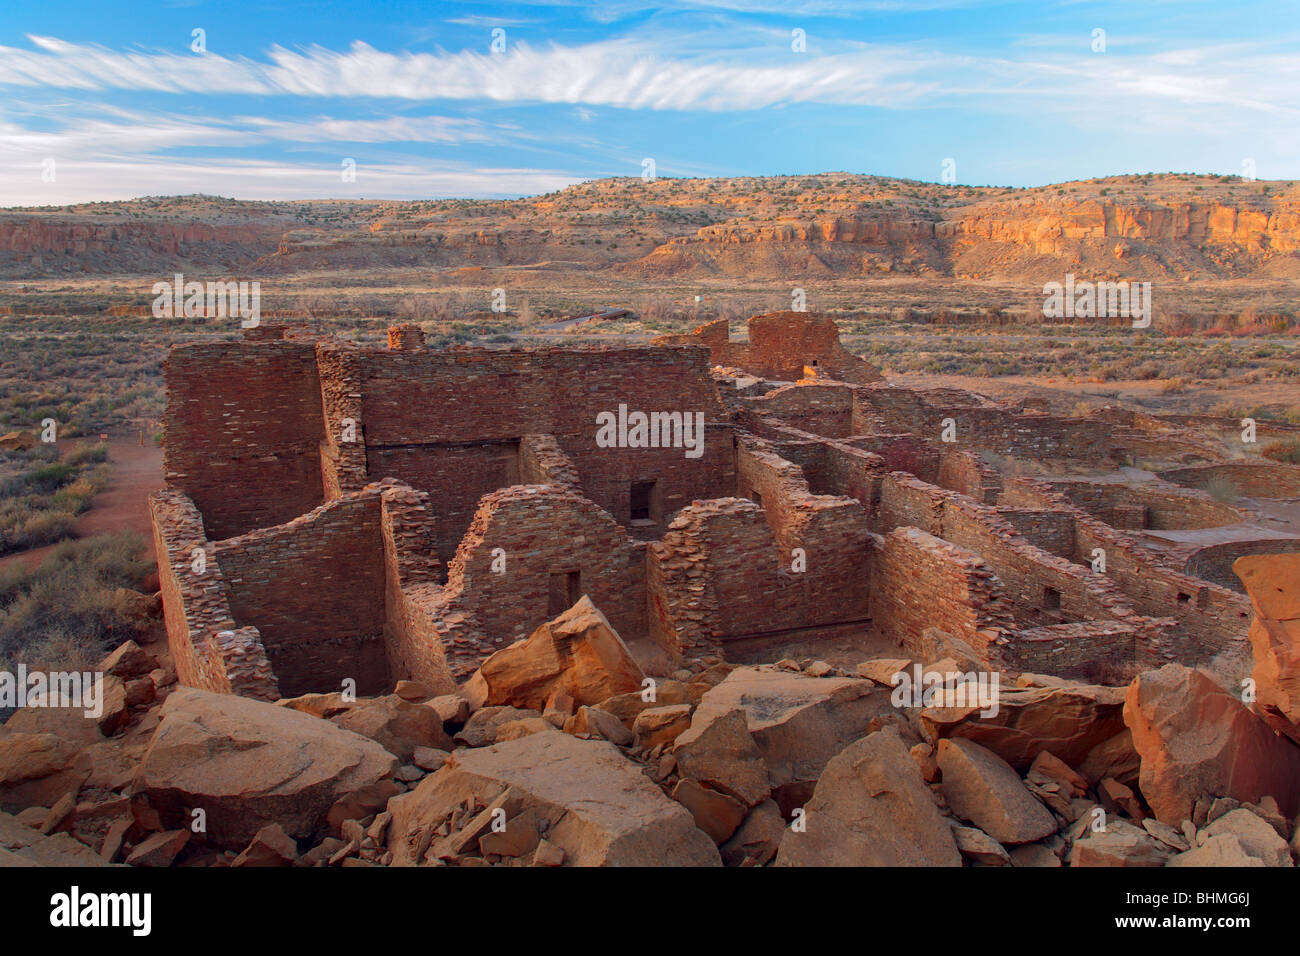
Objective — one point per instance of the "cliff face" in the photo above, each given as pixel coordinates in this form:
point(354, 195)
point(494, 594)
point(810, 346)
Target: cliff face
point(1186, 239)
point(835, 225)
point(41, 242)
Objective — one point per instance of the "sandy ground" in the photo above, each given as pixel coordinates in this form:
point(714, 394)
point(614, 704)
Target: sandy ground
point(123, 504)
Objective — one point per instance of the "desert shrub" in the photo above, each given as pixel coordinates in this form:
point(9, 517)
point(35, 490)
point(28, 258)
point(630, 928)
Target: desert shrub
point(1221, 489)
point(1286, 451)
point(69, 607)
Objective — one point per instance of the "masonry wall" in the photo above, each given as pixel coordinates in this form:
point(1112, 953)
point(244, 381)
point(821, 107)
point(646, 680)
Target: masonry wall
point(243, 426)
point(540, 530)
point(430, 415)
point(781, 346)
point(1100, 652)
point(983, 426)
point(414, 633)
point(1253, 479)
point(207, 648)
point(823, 409)
point(919, 581)
point(1159, 506)
point(315, 589)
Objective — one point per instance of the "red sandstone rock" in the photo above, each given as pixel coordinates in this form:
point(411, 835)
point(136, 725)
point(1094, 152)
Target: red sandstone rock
point(127, 661)
point(719, 751)
point(756, 841)
point(1273, 582)
point(599, 809)
point(1069, 721)
point(248, 764)
point(160, 849)
point(397, 725)
point(981, 787)
point(1198, 740)
point(271, 847)
point(797, 723)
point(715, 813)
point(578, 652)
point(871, 808)
point(36, 770)
point(658, 726)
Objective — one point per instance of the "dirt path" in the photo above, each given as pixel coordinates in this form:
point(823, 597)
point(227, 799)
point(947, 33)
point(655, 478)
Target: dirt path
point(123, 504)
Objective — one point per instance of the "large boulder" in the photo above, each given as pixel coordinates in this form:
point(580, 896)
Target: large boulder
point(982, 788)
point(395, 724)
point(36, 770)
point(578, 653)
point(248, 764)
point(580, 796)
point(871, 808)
point(1069, 721)
point(1196, 739)
point(798, 723)
point(1273, 582)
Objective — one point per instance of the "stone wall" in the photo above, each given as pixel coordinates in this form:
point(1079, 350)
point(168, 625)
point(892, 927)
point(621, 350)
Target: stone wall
point(543, 533)
point(1254, 479)
point(207, 648)
point(782, 345)
point(314, 588)
point(920, 581)
point(243, 426)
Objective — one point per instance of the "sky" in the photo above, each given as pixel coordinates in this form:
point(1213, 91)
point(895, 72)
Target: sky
point(113, 99)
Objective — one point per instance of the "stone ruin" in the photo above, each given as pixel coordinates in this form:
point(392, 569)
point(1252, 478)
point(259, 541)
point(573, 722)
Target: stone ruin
point(467, 607)
point(338, 512)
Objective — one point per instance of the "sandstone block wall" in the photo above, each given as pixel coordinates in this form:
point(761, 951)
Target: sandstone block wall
point(781, 345)
point(920, 581)
point(207, 648)
point(243, 426)
point(542, 531)
point(314, 588)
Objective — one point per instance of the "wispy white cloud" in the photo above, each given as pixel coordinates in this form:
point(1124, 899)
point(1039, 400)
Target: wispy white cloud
point(107, 179)
point(636, 73)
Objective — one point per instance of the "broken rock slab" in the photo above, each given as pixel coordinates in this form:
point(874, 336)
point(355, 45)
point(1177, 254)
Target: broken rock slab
point(592, 803)
point(579, 653)
point(798, 723)
point(397, 725)
point(1196, 739)
point(871, 808)
point(248, 764)
point(981, 788)
point(1070, 721)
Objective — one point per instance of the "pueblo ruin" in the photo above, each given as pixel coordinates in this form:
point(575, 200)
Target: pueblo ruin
point(422, 611)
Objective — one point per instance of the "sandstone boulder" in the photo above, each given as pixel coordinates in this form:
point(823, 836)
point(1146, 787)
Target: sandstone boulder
point(718, 751)
point(36, 770)
point(582, 796)
point(798, 723)
point(1120, 844)
point(871, 808)
point(249, 764)
point(756, 841)
point(579, 652)
point(1196, 739)
point(1069, 721)
point(1256, 837)
point(981, 788)
point(397, 725)
point(1273, 582)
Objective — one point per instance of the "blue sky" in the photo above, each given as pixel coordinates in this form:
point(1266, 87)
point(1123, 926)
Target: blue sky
point(110, 96)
